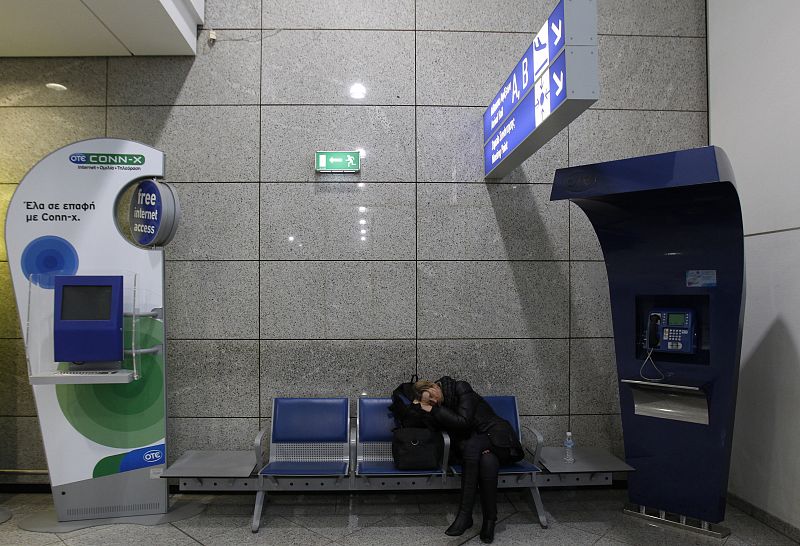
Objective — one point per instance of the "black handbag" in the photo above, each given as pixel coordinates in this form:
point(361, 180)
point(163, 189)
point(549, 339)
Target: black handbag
point(501, 435)
point(416, 448)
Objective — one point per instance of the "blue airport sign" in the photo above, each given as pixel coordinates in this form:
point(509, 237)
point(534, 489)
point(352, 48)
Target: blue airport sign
point(548, 94)
point(549, 40)
point(537, 88)
point(546, 46)
point(512, 132)
point(516, 86)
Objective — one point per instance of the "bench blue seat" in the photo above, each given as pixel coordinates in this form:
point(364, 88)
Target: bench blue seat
point(305, 468)
point(374, 442)
point(387, 468)
point(506, 407)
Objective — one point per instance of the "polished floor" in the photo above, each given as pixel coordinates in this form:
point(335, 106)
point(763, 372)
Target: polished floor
point(577, 517)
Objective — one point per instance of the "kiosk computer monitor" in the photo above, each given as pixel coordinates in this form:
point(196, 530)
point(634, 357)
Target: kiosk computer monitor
point(87, 319)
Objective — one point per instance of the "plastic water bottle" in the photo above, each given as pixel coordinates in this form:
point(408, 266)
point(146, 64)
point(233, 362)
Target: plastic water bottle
point(568, 445)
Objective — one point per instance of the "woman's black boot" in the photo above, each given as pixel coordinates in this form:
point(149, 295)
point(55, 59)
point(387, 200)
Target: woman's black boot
point(487, 531)
point(462, 522)
point(469, 490)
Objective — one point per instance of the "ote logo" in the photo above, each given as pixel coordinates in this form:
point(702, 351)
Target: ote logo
point(106, 159)
point(142, 458)
point(152, 456)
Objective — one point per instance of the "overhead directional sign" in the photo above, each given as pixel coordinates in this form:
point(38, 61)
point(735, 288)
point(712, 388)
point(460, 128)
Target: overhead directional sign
point(337, 162)
point(537, 100)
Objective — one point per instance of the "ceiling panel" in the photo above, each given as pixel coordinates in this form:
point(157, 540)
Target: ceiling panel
point(48, 28)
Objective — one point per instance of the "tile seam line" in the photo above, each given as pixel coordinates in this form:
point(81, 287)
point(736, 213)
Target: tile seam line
point(261, 42)
point(494, 183)
point(323, 105)
point(569, 302)
point(172, 524)
point(395, 339)
point(398, 339)
point(416, 206)
point(771, 232)
point(399, 204)
point(250, 417)
point(105, 107)
point(476, 182)
point(374, 260)
point(532, 33)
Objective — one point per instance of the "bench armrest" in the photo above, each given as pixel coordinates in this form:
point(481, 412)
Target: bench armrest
point(259, 449)
point(446, 454)
point(539, 443)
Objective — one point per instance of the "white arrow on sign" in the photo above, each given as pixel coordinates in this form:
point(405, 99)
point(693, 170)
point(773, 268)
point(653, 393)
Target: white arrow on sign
point(557, 31)
point(559, 79)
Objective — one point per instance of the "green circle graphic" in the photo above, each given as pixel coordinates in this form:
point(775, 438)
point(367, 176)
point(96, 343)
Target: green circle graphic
point(122, 415)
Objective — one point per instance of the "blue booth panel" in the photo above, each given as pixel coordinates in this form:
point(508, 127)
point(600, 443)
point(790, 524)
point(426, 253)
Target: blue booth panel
point(670, 228)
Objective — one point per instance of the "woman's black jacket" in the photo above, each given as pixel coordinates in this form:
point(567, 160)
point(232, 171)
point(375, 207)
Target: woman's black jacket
point(470, 414)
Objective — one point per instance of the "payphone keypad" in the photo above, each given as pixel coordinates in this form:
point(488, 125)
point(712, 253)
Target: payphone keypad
point(677, 330)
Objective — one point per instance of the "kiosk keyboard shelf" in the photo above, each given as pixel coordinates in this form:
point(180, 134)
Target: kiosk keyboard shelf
point(82, 377)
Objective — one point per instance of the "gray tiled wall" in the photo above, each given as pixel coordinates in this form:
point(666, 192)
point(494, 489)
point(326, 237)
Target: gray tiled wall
point(270, 288)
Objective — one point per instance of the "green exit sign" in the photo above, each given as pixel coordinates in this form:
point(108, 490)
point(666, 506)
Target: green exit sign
point(337, 162)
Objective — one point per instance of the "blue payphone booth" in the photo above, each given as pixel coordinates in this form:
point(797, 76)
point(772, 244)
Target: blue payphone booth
point(670, 228)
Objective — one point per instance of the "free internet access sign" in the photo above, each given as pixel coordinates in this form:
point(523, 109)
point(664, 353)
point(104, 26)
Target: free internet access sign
point(553, 83)
point(337, 162)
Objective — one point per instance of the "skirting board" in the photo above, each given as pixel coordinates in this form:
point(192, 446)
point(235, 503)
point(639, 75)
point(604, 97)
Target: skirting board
point(765, 517)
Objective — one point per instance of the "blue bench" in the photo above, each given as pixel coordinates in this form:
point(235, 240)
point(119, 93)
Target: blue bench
point(311, 450)
point(374, 443)
point(310, 439)
point(506, 407)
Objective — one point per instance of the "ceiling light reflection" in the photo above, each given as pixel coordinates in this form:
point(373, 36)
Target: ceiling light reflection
point(358, 91)
point(56, 86)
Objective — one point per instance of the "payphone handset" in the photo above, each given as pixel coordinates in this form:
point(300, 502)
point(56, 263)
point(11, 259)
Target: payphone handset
point(671, 330)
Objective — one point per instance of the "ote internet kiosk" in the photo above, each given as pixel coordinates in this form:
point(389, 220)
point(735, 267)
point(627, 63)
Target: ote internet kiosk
point(89, 290)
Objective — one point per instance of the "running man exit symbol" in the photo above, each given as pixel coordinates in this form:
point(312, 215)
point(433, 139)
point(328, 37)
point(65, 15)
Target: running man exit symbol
point(337, 162)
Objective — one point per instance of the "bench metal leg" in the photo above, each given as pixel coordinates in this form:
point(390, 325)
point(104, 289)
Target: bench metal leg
point(537, 502)
point(257, 511)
